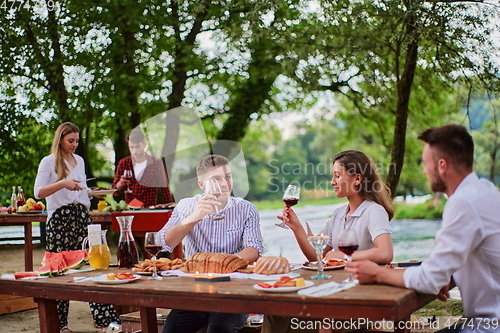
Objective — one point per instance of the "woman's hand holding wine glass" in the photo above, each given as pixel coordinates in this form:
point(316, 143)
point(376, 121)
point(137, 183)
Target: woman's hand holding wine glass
point(348, 243)
point(153, 249)
point(290, 198)
point(212, 187)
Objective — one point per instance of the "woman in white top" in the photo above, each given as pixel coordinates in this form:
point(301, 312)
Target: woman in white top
point(61, 180)
point(368, 211)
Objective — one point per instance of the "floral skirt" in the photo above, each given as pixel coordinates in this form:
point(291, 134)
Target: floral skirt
point(66, 230)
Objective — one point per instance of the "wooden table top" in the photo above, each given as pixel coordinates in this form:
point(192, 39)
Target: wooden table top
point(375, 302)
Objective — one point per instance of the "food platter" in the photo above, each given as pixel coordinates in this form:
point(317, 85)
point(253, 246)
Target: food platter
point(146, 273)
point(103, 192)
point(255, 276)
point(103, 279)
point(31, 212)
point(308, 283)
point(312, 266)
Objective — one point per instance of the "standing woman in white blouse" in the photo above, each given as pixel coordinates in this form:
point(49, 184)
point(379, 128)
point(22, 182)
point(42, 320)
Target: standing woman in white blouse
point(61, 180)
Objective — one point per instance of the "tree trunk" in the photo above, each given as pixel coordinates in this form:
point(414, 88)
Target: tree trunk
point(403, 86)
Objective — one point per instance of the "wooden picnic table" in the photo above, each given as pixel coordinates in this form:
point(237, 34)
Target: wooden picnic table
point(370, 302)
point(143, 221)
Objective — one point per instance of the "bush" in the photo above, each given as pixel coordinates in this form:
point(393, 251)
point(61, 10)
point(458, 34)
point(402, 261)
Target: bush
point(426, 210)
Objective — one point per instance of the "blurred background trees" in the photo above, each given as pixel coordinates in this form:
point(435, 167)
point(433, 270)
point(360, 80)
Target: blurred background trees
point(367, 75)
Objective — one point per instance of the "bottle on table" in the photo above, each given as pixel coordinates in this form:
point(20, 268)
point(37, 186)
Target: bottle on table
point(20, 197)
point(13, 200)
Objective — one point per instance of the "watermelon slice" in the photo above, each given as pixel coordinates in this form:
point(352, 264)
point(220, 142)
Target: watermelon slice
point(20, 275)
point(136, 203)
point(57, 263)
point(75, 259)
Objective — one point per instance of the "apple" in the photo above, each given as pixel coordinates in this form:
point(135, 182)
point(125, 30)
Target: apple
point(38, 207)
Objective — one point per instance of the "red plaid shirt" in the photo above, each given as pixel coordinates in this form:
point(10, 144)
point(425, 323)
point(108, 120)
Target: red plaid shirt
point(153, 177)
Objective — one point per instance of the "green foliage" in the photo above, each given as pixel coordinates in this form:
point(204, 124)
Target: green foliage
point(438, 308)
point(427, 210)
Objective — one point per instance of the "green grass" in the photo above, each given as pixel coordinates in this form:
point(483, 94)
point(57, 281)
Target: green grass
point(438, 308)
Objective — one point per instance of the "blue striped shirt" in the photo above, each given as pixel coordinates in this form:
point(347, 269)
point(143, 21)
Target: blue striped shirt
point(239, 229)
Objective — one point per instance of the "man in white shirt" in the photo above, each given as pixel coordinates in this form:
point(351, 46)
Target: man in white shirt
point(235, 229)
point(468, 243)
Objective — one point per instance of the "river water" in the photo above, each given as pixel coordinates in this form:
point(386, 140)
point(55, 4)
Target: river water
point(413, 239)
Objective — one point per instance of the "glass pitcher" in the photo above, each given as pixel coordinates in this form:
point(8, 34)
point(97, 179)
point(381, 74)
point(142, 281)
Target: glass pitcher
point(96, 245)
point(127, 252)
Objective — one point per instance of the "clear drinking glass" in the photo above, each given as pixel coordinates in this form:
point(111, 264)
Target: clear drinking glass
point(319, 242)
point(212, 187)
point(290, 198)
point(153, 249)
point(348, 243)
point(127, 174)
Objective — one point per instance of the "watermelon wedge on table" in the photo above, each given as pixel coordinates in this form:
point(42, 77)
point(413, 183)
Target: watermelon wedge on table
point(57, 263)
point(136, 203)
point(21, 275)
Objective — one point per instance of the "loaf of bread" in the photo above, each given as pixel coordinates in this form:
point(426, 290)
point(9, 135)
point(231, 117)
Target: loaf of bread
point(272, 265)
point(210, 262)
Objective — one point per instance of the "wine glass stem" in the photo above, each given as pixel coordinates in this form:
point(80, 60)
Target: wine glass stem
point(348, 258)
point(153, 259)
point(320, 262)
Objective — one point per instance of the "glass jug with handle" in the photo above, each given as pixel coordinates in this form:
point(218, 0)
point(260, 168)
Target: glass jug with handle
point(96, 245)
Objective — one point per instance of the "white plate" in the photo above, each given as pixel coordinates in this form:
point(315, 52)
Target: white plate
point(283, 289)
point(103, 192)
point(326, 268)
point(255, 276)
point(31, 212)
point(104, 279)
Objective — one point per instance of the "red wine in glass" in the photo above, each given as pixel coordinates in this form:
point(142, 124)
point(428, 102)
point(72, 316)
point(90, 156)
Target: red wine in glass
point(153, 249)
point(348, 249)
point(290, 198)
point(151, 245)
point(289, 202)
point(127, 175)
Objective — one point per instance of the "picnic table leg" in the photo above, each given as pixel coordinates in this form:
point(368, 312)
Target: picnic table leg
point(47, 314)
point(400, 326)
point(28, 247)
point(148, 320)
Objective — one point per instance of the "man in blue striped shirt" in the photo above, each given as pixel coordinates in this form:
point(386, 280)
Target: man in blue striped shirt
point(194, 221)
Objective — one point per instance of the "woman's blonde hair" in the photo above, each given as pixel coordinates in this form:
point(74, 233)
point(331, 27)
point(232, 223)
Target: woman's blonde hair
point(371, 187)
point(63, 130)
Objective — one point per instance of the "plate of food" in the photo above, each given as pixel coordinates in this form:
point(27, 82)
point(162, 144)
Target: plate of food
point(328, 265)
point(105, 191)
point(145, 273)
point(283, 285)
point(118, 278)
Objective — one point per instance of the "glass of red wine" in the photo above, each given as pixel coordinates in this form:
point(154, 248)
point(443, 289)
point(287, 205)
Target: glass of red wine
point(212, 187)
point(290, 198)
point(348, 243)
point(153, 249)
point(127, 174)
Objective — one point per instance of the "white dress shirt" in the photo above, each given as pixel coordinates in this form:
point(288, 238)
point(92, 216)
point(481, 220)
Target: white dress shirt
point(239, 229)
point(47, 175)
point(467, 247)
point(369, 221)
